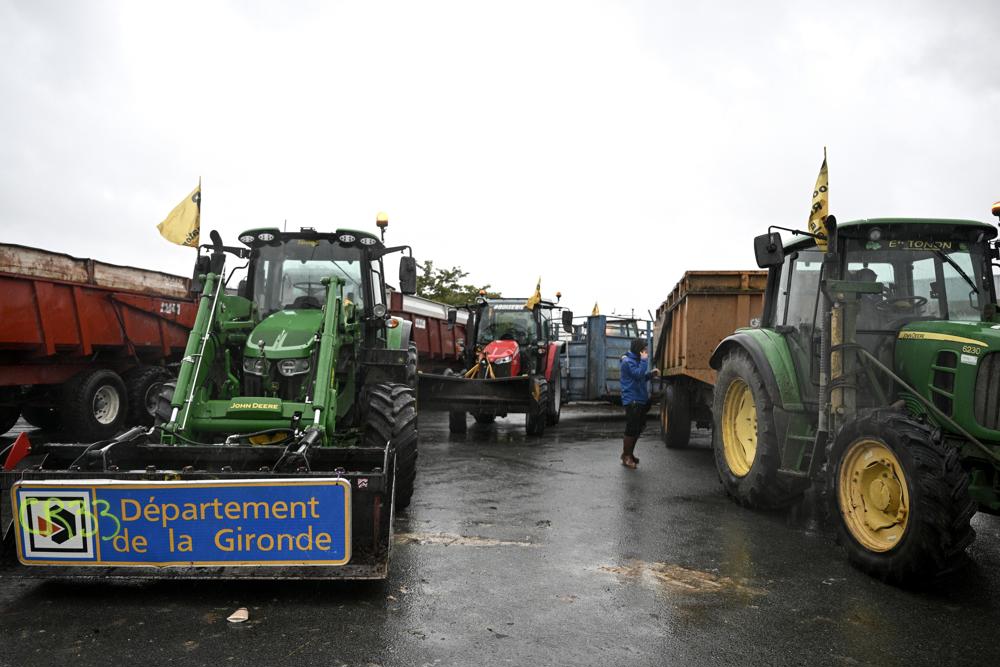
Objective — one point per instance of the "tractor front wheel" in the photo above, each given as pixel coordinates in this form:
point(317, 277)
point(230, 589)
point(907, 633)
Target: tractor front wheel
point(391, 417)
point(555, 395)
point(675, 416)
point(8, 417)
point(744, 441)
point(899, 496)
point(536, 417)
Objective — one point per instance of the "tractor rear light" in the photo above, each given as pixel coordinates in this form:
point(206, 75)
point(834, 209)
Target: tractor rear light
point(289, 367)
point(254, 365)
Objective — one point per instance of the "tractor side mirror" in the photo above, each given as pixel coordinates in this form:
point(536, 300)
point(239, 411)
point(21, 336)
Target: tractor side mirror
point(202, 265)
point(407, 275)
point(769, 250)
point(567, 321)
point(452, 318)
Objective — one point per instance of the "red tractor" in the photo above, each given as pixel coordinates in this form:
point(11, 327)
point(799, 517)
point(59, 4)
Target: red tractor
point(512, 365)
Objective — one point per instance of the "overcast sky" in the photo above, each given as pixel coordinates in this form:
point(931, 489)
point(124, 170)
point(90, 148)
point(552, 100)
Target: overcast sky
point(608, 146)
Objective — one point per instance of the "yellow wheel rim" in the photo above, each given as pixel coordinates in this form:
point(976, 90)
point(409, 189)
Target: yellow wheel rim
point(739, 428)
point(873, 496)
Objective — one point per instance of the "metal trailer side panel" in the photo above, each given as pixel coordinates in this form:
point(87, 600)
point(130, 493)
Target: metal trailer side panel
point(702, 309)
point(435, 341)
point(594, 369)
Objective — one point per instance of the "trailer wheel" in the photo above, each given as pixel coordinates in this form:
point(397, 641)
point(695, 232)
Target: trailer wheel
point(536, 417)
point(555, 396)
point(143, 386)
point(8, 417)
point(675, 416)
point(744, 441)
point(899, 496)
point(456, 422)
point(46, 419)
point(391, 417)
point(95, 405)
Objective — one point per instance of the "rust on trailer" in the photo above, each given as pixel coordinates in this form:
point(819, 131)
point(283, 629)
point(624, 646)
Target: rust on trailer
point(702, 309)
point(438, 346)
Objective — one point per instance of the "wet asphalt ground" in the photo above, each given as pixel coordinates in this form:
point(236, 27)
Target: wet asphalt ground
point(542, 551)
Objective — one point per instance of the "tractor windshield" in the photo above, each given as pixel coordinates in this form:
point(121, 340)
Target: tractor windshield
point(507, 321)
point(922, 278)
point(288, 275)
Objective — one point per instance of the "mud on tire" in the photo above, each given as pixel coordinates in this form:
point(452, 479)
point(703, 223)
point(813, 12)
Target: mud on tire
point(95, 405)
point(391, 417)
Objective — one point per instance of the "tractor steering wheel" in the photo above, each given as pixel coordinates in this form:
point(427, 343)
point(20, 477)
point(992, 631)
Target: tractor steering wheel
point(902, 303)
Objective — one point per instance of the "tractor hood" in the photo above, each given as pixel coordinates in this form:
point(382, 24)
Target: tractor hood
point(958, 336)
point(504, 352)
point(286, 334)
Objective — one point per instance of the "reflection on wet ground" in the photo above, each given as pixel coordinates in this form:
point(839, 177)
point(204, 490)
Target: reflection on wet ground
point(543, 551)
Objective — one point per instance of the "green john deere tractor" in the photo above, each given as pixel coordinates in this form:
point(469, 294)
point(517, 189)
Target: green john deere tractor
point(282, 450)
point(873, 379)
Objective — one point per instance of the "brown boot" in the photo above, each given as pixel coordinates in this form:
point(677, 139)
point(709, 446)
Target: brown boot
point(628, 445)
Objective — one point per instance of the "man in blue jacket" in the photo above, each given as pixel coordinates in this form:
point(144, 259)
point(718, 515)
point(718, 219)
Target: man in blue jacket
point(635, 375)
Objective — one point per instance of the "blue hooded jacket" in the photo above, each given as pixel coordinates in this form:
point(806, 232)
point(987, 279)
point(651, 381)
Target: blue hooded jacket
point(634, 374)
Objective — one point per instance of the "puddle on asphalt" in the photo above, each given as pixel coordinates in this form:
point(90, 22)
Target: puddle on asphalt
point(450, 539)
point(682, 579)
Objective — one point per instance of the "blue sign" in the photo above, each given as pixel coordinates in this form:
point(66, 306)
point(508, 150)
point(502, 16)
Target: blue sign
point(247, 522)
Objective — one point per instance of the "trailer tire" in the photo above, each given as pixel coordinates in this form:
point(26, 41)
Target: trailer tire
point(457, 422)
point(391, 417)
point(675, 416)
point(555, 396)
point(95, 404)
point(742, 417)
point(887, 460)
point(8, 417)
point(47, 419)
point(143, 386)
point(534, 421)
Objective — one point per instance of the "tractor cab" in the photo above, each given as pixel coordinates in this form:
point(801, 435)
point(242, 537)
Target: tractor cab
point(512, 339)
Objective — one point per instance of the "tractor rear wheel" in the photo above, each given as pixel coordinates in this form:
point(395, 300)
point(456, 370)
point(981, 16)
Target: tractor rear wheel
point(391, 417)
point(899, 496)
point(456, 422)
point(44, 418)
point(95, 404)
point(536, 417)
point(744, 440)
point(555, 395)
point(143, 386)
point(675, 416)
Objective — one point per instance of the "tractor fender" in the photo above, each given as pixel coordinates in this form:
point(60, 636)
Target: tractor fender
point(550, 358)
point(768, 352)
point(398, 337)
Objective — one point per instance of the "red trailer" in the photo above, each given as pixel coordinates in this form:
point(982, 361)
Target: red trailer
point(438, 347)
point(83, 344)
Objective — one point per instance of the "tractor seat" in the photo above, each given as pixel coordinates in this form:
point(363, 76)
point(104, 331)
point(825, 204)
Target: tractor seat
point(303, 302)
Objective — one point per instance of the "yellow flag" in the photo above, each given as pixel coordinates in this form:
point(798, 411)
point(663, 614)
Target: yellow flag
point(596, 310)
point(536, 298)
point(183, 225)
point(820, 205)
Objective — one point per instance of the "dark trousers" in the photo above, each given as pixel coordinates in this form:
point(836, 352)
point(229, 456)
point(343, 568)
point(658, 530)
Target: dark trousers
point(635, 418)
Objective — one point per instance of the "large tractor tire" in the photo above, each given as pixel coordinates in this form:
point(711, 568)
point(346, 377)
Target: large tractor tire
point(747, 453)
point(537, 413)
point(899, 496)
point(391, 417)
point(143, 386)
point(675, 416)
point(555, 395)
point(95, 405)
point(47, 419)
point(163, 408)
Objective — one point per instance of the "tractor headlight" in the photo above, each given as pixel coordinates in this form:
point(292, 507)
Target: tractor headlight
point(368, 240)
point(347, 238)
point(378, 310)
point(254, 365)
point(265, 237)
point(504, 360)
point(293, 366)
point(248, 239)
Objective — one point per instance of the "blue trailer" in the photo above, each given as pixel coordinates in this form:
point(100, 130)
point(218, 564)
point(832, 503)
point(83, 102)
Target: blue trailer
point(590, 368)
